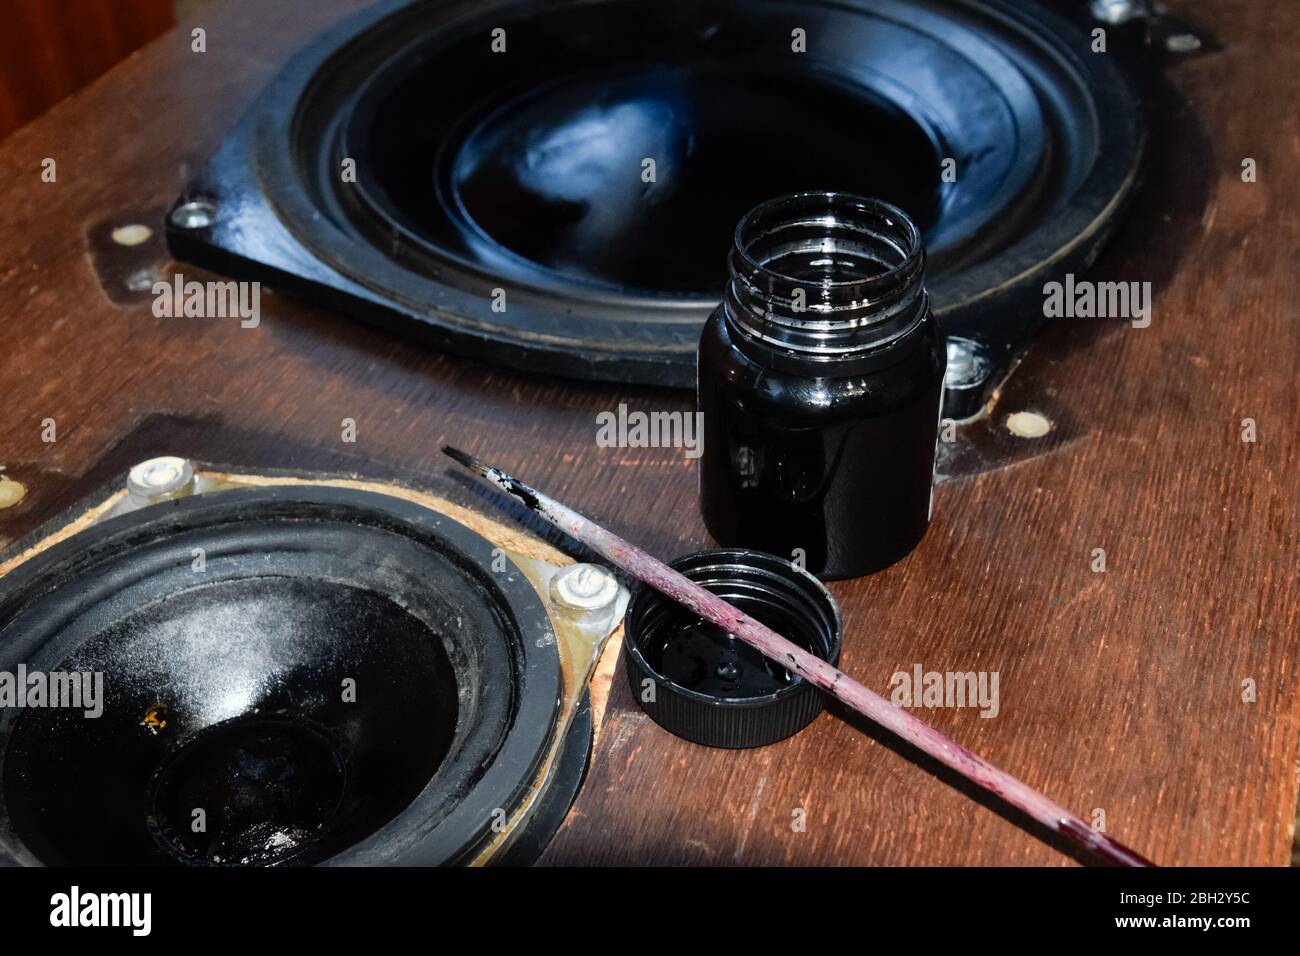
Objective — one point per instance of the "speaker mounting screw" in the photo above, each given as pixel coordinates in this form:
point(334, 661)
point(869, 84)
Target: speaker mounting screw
point(1118, 11)
point(160, 478)
point(194, 215)
point(967, 363)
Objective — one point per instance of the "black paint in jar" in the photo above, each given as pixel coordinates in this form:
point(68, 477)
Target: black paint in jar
point(820, 383)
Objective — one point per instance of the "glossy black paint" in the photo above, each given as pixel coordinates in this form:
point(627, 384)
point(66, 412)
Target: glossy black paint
point(707, 687)
point(842, 466)
point(563, 155)
point(821, 447)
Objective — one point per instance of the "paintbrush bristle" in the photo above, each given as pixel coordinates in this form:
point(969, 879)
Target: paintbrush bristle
point(532, 499)
point(466, 459)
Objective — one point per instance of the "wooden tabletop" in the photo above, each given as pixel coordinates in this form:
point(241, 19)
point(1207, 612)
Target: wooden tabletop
point(1125, 691)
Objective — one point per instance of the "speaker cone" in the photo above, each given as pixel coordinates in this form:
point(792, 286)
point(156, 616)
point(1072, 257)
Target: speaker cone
point(290, 675)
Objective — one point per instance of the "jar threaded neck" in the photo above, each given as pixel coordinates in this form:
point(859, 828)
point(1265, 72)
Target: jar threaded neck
point(826, 274)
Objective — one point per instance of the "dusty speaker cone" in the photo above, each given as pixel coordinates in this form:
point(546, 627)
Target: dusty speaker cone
point(343, 681)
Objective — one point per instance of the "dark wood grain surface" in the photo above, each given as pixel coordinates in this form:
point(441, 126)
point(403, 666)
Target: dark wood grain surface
point(1121, 691)
point(48, 50)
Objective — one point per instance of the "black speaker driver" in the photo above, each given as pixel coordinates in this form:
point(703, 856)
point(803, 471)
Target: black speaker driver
point(315, 675)
point(553, 186)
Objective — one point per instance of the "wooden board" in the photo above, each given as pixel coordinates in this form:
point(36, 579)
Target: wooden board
point(1120, 691)
point(50, 50)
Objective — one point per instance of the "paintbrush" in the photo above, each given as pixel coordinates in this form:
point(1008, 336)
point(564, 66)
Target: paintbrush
point(811, 668)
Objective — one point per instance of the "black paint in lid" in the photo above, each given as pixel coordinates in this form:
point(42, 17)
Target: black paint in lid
point(710, 688)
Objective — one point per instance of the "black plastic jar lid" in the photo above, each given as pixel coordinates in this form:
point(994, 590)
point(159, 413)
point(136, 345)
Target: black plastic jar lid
point(711, 688)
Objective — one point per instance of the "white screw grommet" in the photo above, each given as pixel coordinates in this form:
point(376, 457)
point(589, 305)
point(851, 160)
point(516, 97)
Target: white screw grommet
point(584, 587)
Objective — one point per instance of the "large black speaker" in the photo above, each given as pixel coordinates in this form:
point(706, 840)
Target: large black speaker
point(553, 186)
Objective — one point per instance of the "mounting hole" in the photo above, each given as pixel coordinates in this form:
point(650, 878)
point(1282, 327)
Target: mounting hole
point(1028, 425)
point(132, 234)
point(11, 492)
point(142, 280)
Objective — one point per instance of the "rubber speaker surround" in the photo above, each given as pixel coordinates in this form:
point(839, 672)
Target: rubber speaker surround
point(522, 171)
point(223, 686)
